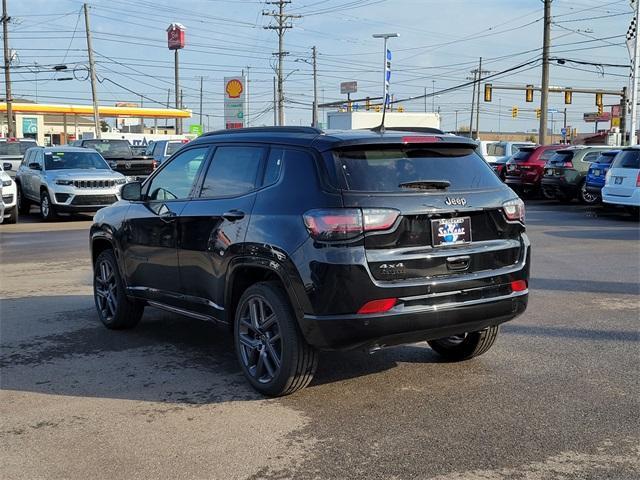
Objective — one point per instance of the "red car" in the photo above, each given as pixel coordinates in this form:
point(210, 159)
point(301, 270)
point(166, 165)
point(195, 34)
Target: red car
point(525, 169)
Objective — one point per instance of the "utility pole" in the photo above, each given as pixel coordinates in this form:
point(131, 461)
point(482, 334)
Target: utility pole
point(433, 95)
point(425, 99)
point(201, 80)
point(314, 56)
point(478, 99)
point(281, 26)
point(11, 132)
point(473, 101)
point(544, 94)
point(499, 113)
point(178, 129)
point(92, 72)
point(166, 121)
point(275, 103)
point(456, 121)
point(248, 90)
point(633, 137)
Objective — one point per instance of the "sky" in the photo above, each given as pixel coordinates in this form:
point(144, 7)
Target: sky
point(439, 43)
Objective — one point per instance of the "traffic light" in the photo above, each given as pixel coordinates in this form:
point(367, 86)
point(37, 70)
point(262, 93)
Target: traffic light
point(598, 99)
point(529, 94)
point(538, 112)
point(514, 112)
point(378, 108)
point(400, 109)
point(367, 104)
point(568, 96)
point(600, 109)
point(487, 92)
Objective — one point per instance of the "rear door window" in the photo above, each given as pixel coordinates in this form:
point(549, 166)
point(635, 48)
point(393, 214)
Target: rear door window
point(627, 159)
point(591, 157)
point(378, 169)
point(233, 171)
point(547, 154)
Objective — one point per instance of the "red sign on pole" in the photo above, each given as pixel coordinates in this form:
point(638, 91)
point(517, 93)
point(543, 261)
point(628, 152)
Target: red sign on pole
point(175, 36)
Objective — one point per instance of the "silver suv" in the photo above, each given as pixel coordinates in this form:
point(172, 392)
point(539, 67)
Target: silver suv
point(66, 179)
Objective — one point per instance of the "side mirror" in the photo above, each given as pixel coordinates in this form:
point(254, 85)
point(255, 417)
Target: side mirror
point(6, 166)
point(35, 166)
point(132, 191)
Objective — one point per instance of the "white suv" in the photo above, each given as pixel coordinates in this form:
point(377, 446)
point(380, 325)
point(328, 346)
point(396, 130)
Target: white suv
point(622, 183)
point(66, 179)
point(9, 200)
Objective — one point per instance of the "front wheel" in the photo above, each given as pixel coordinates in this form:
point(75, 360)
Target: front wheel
point(587, 197)
point(47, 210)
point(273, 354)
point(23, 204)
point(466, 345)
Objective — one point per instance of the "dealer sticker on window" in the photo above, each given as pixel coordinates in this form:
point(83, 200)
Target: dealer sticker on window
point(450, 231)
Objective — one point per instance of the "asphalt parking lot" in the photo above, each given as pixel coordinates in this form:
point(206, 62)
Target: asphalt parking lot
point(556, 398)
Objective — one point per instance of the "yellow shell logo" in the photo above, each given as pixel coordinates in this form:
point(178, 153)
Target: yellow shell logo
point(234, 88)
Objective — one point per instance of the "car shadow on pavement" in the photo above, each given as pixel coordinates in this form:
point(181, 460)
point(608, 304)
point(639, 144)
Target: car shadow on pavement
point(166, 358)
point(57, 345)
point(584, 286)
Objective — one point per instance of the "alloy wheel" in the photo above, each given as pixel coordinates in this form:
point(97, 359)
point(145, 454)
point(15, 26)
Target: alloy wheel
point(106, 289)
point(44, 206)
point(260, 340)
point(588, 197)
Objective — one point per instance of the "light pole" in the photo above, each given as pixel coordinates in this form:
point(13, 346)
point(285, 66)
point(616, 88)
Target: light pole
point(386, 72)
point(433, 95)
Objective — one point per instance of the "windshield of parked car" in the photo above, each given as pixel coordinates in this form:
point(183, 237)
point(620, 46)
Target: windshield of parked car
point(378, 169)
point(110, 148)
point(523, 154)
point(173, 147)
point(496, 149)
point(15, 148)
point(627, 159)
point(68, 160)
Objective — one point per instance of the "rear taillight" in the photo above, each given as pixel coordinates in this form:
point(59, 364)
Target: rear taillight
point(568, 164)
point(514, 210)
point(518, 286)
point(347, 223)
point(378, 306)
point(638, 180)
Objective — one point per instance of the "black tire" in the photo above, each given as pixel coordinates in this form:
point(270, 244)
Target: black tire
point(47, 210)
point(260, 345)
point(587, 198)
point(548, 194)
point(24, 205)
point(466, 346)
point(13, 215)
point(115, 309)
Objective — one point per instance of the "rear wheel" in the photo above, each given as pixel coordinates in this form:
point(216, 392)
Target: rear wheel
point(23, 204)
point(586, 197)
point(115, 309)
point(275, 358)
point(466, 345)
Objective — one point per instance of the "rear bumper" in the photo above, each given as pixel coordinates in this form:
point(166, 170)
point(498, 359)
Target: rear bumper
point(559, 186)
point(409, 325)
point(608, 196)
point(532, 181)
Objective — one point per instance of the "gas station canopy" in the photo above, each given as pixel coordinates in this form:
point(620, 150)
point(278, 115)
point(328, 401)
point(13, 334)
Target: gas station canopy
point(104, 111)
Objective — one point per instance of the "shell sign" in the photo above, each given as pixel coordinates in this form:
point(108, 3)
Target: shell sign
point(234, 88)
point(235, 101)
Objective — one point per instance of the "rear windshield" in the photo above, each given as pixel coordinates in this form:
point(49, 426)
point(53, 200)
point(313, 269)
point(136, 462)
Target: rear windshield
point(606, 158)
point(173, 147)
point(385, 169)
point(110, 148)
point(69, 160)
point(627, 159)
point(561, 157)
point(496, 149)
point(523, 155)
point(15, 148)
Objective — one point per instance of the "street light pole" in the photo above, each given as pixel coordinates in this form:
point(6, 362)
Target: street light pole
point(633, 137)
point(11, 132)
point(544, 94)
point(385, 70)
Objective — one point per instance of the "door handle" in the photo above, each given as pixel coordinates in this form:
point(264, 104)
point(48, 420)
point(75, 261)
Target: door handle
point(233, 215)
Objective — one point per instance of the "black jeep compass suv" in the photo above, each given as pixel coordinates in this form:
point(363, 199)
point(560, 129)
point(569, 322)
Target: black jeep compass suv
point(302, 240)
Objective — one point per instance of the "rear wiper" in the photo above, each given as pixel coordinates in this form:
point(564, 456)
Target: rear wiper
point(426, 184)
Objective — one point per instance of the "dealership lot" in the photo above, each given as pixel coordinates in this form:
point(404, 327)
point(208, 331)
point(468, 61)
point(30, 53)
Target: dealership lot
point(557, 396)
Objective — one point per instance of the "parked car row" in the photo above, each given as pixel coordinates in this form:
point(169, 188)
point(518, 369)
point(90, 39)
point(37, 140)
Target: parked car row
point(81, 177)
point(589, 173)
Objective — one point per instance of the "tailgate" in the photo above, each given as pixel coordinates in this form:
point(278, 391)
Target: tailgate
point(431, 239)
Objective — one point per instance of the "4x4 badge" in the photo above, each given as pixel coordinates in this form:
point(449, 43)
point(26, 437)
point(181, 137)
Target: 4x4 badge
point(456, 201)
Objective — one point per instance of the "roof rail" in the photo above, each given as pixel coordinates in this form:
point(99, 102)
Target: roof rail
point(307, 130)
point(415, 129)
